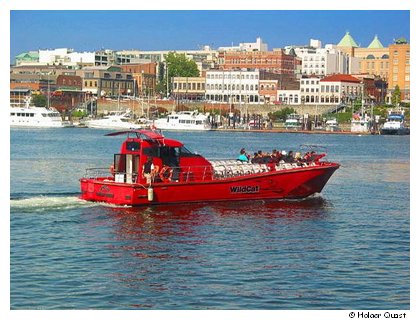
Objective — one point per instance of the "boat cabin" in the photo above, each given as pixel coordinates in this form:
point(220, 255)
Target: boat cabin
point(171, 159)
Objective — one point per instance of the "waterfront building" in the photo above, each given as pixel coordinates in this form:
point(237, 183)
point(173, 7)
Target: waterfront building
point(309, 89)
point(233, 86)
point(268, 90)
point(375, 88)
point(319, 61)
point(68, 93)
point(339, 88)
point(289, 97)
point(25, 58)
point(347, 44)
point(330, 90)
point(188, 88)
point(258, 45)
point(205, 57)
point(35, 82)
point(399, 69)
point(66, 57)
point(374, 60)
point(107, 81)
point(56, 57)
point(19, 96)
point(391, 63)
point(145, 76)
point(252, 85)
point(325, 61)
point(271, 61)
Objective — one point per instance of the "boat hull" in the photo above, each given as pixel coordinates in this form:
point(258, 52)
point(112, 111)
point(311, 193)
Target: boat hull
point(400, 131)
point(286, 184)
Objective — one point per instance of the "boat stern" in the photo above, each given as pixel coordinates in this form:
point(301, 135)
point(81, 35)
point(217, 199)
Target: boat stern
point(103, 190)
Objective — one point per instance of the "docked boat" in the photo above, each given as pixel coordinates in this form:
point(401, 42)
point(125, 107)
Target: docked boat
point(360, 124)
point(183, 120)
point(332, 125)
point(36, 117)
point(180, 176)
point(394, 124)
point(115, 120)
point(293, 122)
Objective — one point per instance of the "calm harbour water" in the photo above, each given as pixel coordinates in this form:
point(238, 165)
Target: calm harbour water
point(347, 248)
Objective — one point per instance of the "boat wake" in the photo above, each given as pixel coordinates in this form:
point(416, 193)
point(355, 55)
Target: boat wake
point(48, 202)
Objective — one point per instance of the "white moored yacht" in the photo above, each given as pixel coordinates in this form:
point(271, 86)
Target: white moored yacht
point(115, 120)
point(183, 120)
point(38, 117)
point(394, 124)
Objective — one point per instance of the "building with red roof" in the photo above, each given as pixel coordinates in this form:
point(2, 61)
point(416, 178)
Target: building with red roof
point(333, 89)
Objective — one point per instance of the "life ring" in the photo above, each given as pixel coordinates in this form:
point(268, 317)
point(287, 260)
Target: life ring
point(166, 174)
point(111, 169)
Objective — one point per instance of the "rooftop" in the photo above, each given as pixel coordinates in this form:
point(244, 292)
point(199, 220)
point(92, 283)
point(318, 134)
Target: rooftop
point(340, 78)
point(375, 44)
point(347, 41)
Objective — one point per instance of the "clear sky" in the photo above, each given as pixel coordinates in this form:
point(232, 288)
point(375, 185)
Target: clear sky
point(167, 30)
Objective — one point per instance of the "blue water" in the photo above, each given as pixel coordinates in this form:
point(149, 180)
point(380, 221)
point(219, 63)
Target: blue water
point(347, 248)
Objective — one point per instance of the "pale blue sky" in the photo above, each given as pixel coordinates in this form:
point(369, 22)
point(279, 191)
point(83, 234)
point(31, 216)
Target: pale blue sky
point(167, 30)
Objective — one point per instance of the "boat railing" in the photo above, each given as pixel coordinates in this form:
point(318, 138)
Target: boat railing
point(218, 170)
point(97, 172)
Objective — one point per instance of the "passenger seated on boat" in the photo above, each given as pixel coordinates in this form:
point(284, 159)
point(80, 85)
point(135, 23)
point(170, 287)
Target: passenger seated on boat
point(276, 156)
point(149, 170)
point(257, 158)
point(289, 158)
point(243, 156)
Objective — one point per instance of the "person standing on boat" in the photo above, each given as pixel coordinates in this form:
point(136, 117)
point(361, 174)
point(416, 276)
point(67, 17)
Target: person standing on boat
point(149, 170)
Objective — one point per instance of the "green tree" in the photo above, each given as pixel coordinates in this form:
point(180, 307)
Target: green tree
point(281, 114)
point(396, 96)
point(177, 65)
point(39, 100)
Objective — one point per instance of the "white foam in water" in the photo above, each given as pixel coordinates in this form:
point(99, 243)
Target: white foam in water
point(47, 203)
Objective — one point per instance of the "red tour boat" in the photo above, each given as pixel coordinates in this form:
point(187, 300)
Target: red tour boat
point(178, 175)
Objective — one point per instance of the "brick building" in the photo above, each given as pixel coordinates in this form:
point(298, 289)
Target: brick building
point(145, 76)
point(272, 61)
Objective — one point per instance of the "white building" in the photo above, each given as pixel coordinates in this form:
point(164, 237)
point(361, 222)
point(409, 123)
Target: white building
point(239, 86)
point(289, 97)
point(309, 90)
point(66, 57)
point(325, 61)
point(331, 90)
point(258, 45)
point(320, 61)
point(82, 58)
point(339, 88)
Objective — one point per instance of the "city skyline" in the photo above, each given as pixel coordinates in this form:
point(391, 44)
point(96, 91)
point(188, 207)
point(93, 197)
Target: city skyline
point(189, 30)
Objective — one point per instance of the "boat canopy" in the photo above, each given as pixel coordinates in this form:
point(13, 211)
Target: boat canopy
point(148, 135)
